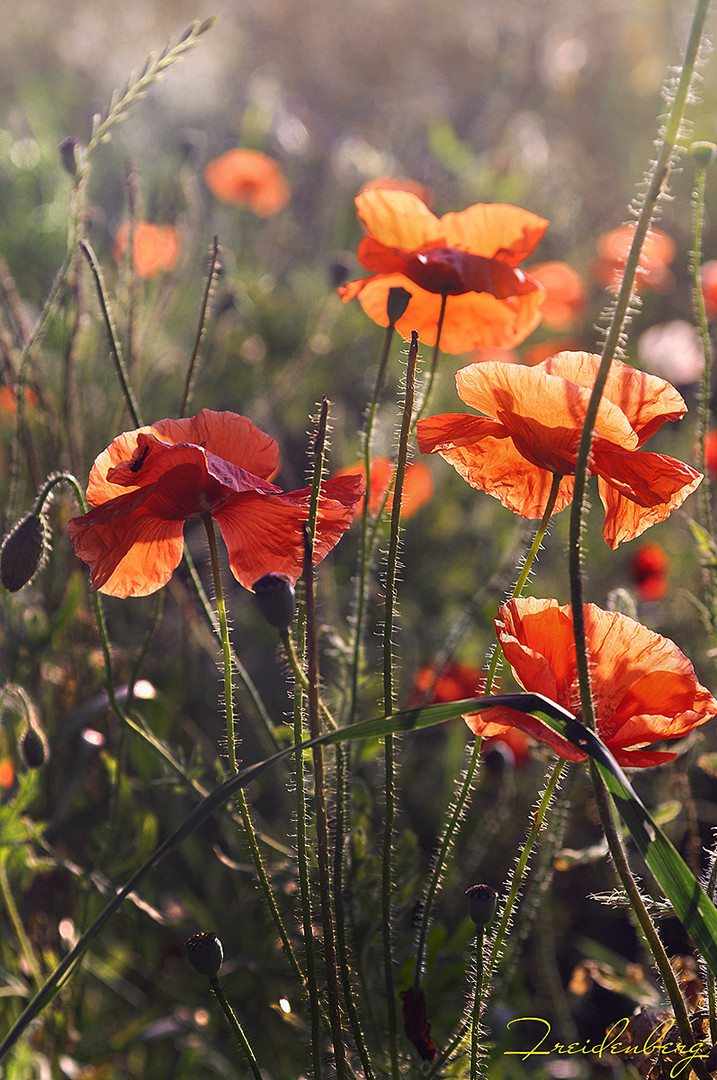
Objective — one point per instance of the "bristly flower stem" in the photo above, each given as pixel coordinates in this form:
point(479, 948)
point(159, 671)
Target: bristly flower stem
point(212, 275)
point(236, 1027)
point(226, 647)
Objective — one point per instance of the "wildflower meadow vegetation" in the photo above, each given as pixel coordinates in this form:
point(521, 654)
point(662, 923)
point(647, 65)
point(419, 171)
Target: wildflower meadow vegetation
point(359, 570)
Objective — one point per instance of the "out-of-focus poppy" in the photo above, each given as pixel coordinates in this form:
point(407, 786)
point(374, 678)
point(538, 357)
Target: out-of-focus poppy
point(469, 258)
point(417, 485)
point(532, 428)
point(653, 270)
point(149, 482)
point(644, 688)
point(708, 282)
point(155, 248)
point(543, 350)
point(648, 570)
point(564, 305)
point(7, 773)
point(711, 454)
point(248, 178)
point(8, 400)
point(672, 350)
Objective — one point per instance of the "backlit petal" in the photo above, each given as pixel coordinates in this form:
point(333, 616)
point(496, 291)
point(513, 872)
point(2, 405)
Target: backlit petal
point(639, 490)
point(398, 218)
point(492, 228)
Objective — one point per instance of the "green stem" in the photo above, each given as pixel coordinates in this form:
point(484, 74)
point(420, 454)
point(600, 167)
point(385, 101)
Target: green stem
point(434, 363)
point(201, 328)
point(477, 997)
point(236, 1027)
point(226, 647)
point(460, 801)
point(14, 916)
point(656, 188)
point(388, 703)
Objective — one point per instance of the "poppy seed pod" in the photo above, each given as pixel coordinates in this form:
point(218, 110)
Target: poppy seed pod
point(205, 953)
point(34, 748)
point(482, 901)
point(22, 552)
point(704, 154)
point(396, 304)
point(276, 599)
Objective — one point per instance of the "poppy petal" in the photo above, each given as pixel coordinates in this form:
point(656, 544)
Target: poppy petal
point(494, 229)
point(398, 219)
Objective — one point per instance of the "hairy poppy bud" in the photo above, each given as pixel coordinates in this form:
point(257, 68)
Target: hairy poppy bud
point(482, 901)
point(704, 154)
point(34, 748)
point(397, 303)
point(71, 151)
point(22, 552)
point(276, 599)
point(205, 953)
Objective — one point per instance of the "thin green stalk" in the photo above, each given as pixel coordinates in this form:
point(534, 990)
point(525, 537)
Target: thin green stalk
point(388, 704)
point(705, 502)
point(366, 548)
point(710, 888)
point(236, 1027)
point(458, 806)
point(637, 905)
point(656, 188)
point(211, 281)
point(112, 336)
point(16, 922)
point(434, 363)
point(477, 998)
point(226, 648)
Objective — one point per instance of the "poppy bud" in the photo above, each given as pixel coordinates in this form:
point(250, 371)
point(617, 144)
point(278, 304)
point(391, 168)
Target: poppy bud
point(338, 272)
point(276, 599)
point(22, 552)
point(704, 154)
point(34, 748)
point(397, 303)
point(482, 901)
point(205, 953)
point(71, 151)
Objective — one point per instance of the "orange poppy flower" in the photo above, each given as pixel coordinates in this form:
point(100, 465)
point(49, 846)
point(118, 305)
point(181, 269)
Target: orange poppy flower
point(653, 270)
point(644, 688)
point(417, 485)
point(156, 247)
point(711, 453)
point(648, 570)
point(566, 298)
point(148, 482)
point(708, 284)
point(470, 257)
point(248, 178)
point(532, 428)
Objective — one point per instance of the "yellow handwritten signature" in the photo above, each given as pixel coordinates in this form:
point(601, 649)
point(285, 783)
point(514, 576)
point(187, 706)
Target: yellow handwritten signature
point(654, 1044)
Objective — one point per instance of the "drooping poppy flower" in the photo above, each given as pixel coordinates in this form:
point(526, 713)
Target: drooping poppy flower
point(416, 1023)
point(417, 485)
point(248, 178)
point(156, 247)
point(566, 298)
point(471, 258)
point(532, 428)
point(644, 688)
point(148, 482)
point(708, 284)
point(653, 270)
point(648, 569)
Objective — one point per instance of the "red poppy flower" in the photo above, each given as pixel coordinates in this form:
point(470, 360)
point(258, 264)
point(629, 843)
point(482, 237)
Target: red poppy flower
point(417, 485)
point(708, 283)
point(648, 570)
point(148, 482)
point(156, 247)
point(451, 682)
point(653, 270)
point(566, 294)
point(248, 178)
point(711, 453)
point(644, 688)
point(470, 257)
point(532, 427)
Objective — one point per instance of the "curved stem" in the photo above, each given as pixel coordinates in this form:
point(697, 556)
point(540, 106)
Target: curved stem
point(201, 328)
point(226, 647)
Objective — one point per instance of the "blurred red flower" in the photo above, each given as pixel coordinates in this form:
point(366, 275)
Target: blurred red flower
point(248, 178)
point(469, 257)
point(156, 247)
point(532, 427)
point(711, 453)
point(653, 270)
point(648, 570)
point(566, 298)
point(644, 688)
point(149, 482)
point(708, 281)
point(417, 485)
point(8, 400)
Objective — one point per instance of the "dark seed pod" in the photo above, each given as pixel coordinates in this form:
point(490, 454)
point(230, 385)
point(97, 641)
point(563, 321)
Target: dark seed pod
point(71, 151)
point(276, 599)
point(396, 304)
point(22, 552)
point(482, 902)
point(34, 748)
point(205, 953)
